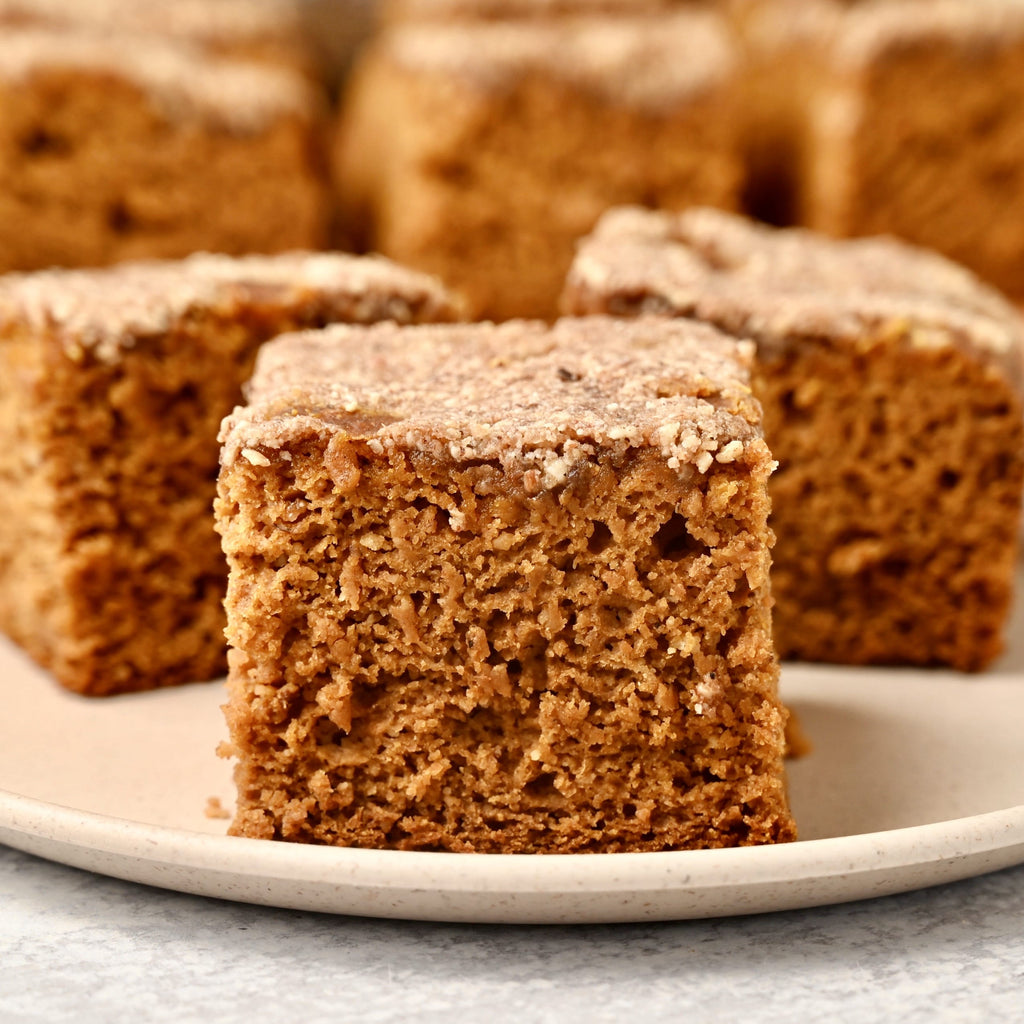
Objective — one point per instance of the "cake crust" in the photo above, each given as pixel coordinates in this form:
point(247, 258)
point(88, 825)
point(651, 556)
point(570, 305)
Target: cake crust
point(787, 287)
point(473, 10)
point(265, 30)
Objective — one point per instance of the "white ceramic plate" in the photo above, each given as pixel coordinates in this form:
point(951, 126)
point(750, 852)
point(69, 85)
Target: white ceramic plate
point(916, 778)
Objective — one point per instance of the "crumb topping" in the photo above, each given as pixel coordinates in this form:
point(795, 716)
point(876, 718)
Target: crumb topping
point(782, 287)
point(105, 311)
point(184, 82)
point(646, 62)
point(869, 29)
point(222, 21)
point(853, 34)
point(540, 399)
point(523, 8)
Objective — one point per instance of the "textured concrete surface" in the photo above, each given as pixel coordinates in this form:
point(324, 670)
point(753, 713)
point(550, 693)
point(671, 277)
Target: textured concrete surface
point(81, 947)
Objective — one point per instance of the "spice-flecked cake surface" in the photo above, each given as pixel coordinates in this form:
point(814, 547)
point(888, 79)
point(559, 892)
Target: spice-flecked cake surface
point(502, 589)
point(891, 384)
point(112, 387)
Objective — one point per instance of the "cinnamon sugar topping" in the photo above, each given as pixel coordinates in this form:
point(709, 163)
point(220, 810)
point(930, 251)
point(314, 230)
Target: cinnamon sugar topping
point(105, 310)
point(183, 82)
point(646, 62)
point(542, 400)
point(783, 286)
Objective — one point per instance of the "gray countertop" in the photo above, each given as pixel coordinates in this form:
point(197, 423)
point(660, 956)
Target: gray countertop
point(81, 947)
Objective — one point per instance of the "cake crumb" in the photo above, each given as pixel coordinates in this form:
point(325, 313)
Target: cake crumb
point(254, 457)
point(215, 809)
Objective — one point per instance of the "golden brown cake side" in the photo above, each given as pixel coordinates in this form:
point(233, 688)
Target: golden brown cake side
point(112, 387)
point(898, 500)
point(116, 583)
point(891, 382)
point(480, 152)
point(502, 590)
point(116, 148)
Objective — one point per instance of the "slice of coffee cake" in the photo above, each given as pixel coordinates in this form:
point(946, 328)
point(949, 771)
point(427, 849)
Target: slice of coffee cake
point(502, 589)
point(480, 151)
point(891, 384)
point(119, 147)
point(112, 386)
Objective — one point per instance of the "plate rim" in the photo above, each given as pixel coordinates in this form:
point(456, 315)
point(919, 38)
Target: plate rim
point(57, 825)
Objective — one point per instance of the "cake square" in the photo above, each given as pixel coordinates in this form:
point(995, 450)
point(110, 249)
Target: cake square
point(891, 384)
point(901, 117)
point(112, 386)
point(502, 589)
point(118, 147)
point(481, 150)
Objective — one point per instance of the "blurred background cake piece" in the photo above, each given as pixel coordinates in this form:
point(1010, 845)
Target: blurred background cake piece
point(901, 117)
point(891, 381)
point(480, 151)
point(120, 147)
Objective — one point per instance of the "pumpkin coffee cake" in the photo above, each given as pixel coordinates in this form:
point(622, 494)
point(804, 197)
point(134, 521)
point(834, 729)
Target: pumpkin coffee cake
point(118, 147)
point(891, 384)
point(902, 117)
point(502, 588)
point(480, 151)
point(112, 386)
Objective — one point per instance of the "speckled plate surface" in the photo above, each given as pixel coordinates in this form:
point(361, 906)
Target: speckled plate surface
point(916, 778)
